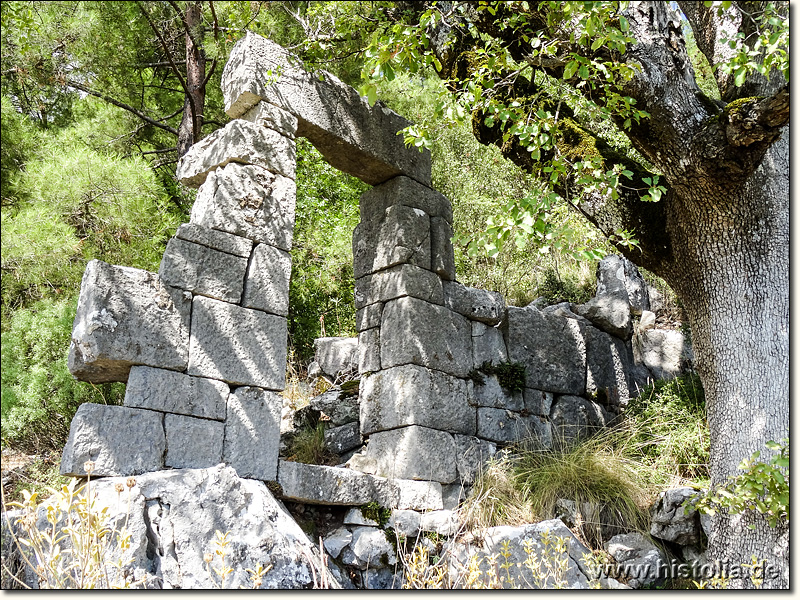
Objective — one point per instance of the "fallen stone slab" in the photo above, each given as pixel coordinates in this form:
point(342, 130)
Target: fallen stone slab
point(217, 240)
point(202, 270)
point(266, 286)
point(397, 282)
point(127, 317)
point(252, 433)
point(506, 427)
point(414, 452)
point(241, 142)
point(192, 443)
point(120, 441)
point(405, 192)
point(172, 392)
point(315, 484)
point(475, 304)
point(353, 136)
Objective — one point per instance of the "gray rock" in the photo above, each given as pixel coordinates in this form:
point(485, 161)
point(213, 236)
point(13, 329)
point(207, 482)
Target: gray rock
point(217, 240)
point(405, 522)
point(238, 345)
point(269, 115)
point(168, 391)
point(336, 541)
point(491, 394)
point(343, 438)
point(617, 276)
point(552, 349)
point(662, 351)
point(414, 453)
point(371, 546)
point(504, 426)
point(424, 334)
point(348, 558)
point(369, 316)
point(656, 299)
point(538, 402)
point(413, 395)
point(636, 554)
point(476, 305)
point(336, 354)
point(382, 579)
point(250, 202)
point(119, 440)
point(564, 310)
point(608, 313)
point(671, 519)
point(647, 320)
point(362, 463)
point(401, 236)
point(471, 456)
point(417, 495)
point(315, 484)
point(241, 142)
point(252, 433)
point(267, 285)
point(369, 350)
point(397, 282)
point(356, 138)
point(204, 271)
point(406, 192)
point(192, 443)
point(574, 417)
point(488, 345)
point(454, 494)
point(355, 516)
point(443, 261)
point(443, 522)
point(127, 317)
point(339, 407)
point(607, 368)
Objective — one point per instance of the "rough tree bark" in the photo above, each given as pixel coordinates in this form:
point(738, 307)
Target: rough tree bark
point(192, 121)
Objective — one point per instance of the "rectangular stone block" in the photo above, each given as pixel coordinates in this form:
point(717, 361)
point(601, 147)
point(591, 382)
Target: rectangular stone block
point(402, 235)
point(269, 115)
point(476, 305)
point(267, 285)
point(414, 453)
point(421, 333)
point(472, 454)
point(343, 438)
point(491, 394)
point(405, 280)
point(538, 402)
point(252, 433)
point(412, 395)
point(443, 260)
point(314, 484)
point(607, 368)
point(127, 317)
point(552, 348)
point(218, 240)
point(369, 351)
point(418, 495)
point(488, 345)
point(238, 345)
point(405, 192)
point(204, 271)
point(506, 427)
point(120, 441)
point(168, 391)
point(240, 142)
point(353, 136)
point(250, 202)
point(369, 316)
point(192, 443)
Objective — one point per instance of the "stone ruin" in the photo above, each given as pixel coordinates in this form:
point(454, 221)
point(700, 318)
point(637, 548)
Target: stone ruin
point(202, 344)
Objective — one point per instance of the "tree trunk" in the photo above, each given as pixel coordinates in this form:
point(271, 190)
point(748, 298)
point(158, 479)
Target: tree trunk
point(192, 122)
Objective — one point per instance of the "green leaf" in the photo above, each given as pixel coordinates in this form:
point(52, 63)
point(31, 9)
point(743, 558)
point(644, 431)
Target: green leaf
point(570, 69)
point(740, 75)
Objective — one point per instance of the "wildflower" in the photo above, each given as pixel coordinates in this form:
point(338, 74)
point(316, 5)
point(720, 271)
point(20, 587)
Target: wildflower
point(88, 466)
point(131, 482)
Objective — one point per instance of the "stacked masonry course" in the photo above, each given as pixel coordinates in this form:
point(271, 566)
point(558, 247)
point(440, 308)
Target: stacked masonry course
point(202, 344)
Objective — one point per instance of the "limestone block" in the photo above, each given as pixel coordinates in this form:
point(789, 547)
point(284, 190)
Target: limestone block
point(574, 417)
point(634, 553)
point(405, 522)
point(204, 271)
point(238, 345)
point(119, 440)
point(168, 391)
point(355, 516)
point(607, 367)
point(339, 407)
point(421, 333)
point(192, 443)
point(414, 453)
point(488, 345)
point(267, 285)
point(269, 115)
point(371, 546)
point(218, 240)
point(252, 433)
point(353, 136)
point(369, 316)
point(609, 313)
point(563, 309)
point(127, 317)
point(619, 277)
point(418, 495)
point(476, 305)
point(336, 354)
point(241, 142)
point(401, 236)
point(504, 426)
point(413, 395)
point(406, 192)
point(471, 456)
point(671, 519)
point(491, 394)
point(369, 350)
point(662, 351)
point(314, 484)
point(397, 282)
point(538, 402)
point(336, 541)
point(443, 260)
point(443, 522)
point(552, 349)
point(343, 438)
point(453, 495)
point(250, 202)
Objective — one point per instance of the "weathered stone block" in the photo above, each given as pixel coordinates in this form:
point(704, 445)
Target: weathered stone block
point(250, 202)
point(635, 550)
point(607, 367)
point(338, 406)
point(552, 349)
point(353, 136)
point(337, 540)
point(476, 305)
point(168, 391)
point(471, 456)
point(369, 350)
point(238, 345)
point(252, 433)
point(671, 519)
point(491, 394)
point(401, 236)
point(488, 345)
point(662, 351)
point(397, 282)
point(203, 271)
point(538, 402)
point(269, 115)
point(443, 522)
point(241, 142)
point(504, 426)
point(120, 441)
point(574, 417)
point(218, 240)
point(267, 285)
point(418, 495)
point(192, 443)
point(413, 395)
point(314, 484)
point(619, 277)
point(406, 192)
point(343, 438)
point(336, 354)
point(372, 548)
point(405, 522)
point(414, 453)
point(127, 317)
point(421, 333)
point(609, 313)
point(443, 260)
point(369, 316)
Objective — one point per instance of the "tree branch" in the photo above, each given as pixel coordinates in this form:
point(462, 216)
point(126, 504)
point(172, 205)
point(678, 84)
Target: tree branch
point(757, 119)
